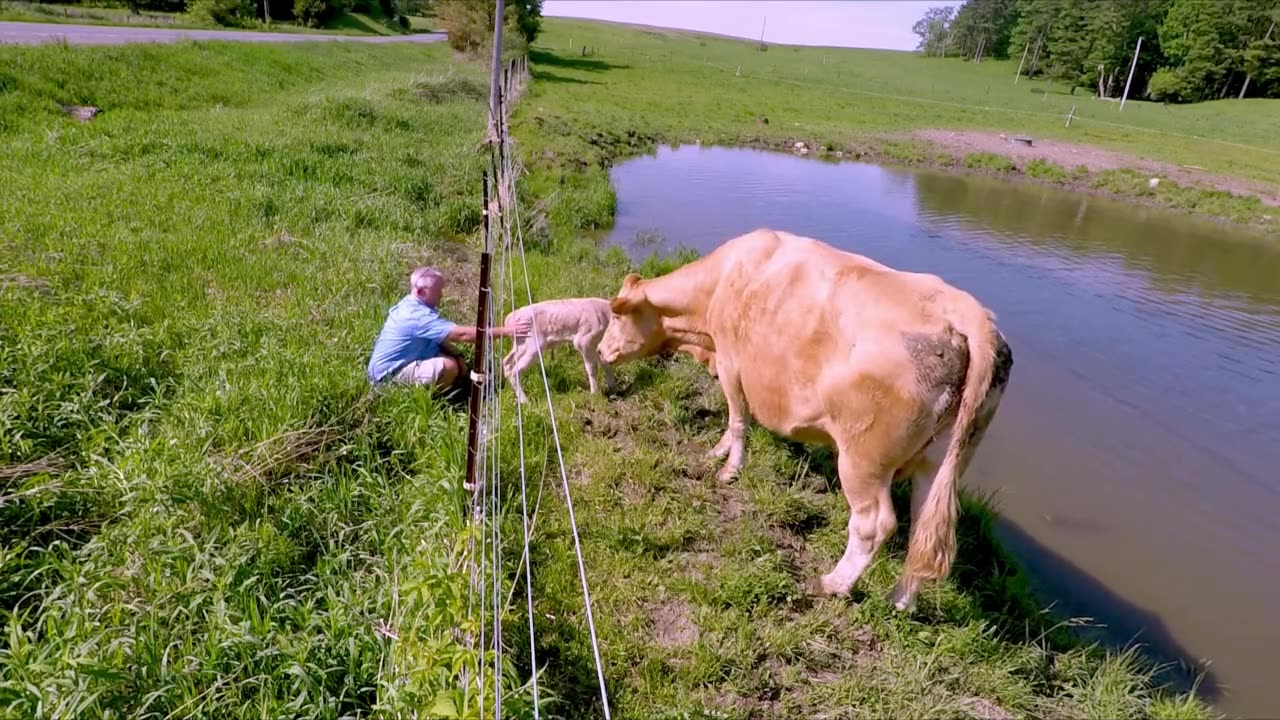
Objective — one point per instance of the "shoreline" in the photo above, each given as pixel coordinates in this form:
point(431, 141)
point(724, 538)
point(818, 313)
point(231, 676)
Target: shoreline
point(1124, 184)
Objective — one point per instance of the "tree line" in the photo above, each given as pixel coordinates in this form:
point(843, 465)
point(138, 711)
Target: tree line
point(1192, 50)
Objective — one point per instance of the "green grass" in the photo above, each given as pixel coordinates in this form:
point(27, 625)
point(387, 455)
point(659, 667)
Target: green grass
point(206, 512)
point(637, 88)
point(347, 23)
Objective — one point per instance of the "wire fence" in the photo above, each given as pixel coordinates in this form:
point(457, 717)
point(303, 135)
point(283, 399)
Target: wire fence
point(492, 591)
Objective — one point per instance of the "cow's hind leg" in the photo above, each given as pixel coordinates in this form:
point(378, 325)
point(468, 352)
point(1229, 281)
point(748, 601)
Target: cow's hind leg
point(919, 470)
point(871, 521)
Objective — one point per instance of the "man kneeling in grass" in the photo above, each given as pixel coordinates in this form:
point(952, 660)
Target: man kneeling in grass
point(414, 345)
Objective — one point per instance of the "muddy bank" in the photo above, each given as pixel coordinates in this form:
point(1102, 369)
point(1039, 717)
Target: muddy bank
point(1070, 155)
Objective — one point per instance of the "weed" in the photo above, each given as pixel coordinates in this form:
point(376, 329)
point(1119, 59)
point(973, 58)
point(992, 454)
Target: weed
point(988, 161)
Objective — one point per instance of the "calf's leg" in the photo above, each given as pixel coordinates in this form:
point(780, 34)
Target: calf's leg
point(527, 352)
point(591, 359)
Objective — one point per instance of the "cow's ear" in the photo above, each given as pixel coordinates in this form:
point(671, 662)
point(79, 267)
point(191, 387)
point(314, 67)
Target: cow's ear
point(629, 297)
point(621, 305)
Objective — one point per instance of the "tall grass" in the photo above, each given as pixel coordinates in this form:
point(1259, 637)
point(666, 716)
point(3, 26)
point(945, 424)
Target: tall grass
point(205, 511)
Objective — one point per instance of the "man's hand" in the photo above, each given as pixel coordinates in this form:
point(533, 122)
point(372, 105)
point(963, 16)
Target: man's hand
point(522, 328)
point(469, 333)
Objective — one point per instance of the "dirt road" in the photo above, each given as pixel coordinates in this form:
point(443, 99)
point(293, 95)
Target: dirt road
point(25, 33)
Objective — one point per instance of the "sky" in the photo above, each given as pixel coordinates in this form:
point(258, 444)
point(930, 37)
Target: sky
point(841, 23)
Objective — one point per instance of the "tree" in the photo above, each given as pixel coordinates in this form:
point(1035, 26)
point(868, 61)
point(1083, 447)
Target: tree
point(1207, 44)
point(933, 30)
point(1071, 46)
point(982, 28)
point(1035, 19)
point(470, 23)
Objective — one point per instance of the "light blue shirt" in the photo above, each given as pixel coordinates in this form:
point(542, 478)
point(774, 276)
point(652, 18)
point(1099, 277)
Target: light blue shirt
point(413, 331)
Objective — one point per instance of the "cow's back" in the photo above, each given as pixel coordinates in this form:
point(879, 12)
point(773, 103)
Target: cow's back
point(801, 321)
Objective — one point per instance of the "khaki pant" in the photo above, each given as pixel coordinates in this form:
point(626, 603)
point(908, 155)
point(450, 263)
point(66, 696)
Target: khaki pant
point(423, 372)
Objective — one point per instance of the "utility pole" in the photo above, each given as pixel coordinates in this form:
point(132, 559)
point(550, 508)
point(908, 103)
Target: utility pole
point(1024, 59)
point(762, 24)
point(1131, 69)
point(1035, 56)
point(1248, 77)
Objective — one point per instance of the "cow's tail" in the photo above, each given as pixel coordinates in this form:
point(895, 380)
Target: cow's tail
point(932, 546)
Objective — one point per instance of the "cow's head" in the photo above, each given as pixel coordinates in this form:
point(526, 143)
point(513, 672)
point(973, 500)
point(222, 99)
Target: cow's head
point(635, 330)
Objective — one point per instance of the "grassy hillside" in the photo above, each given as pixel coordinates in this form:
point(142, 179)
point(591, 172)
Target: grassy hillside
point(636, 87)
point(206, 512)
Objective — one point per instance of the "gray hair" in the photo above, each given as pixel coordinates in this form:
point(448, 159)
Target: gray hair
point(425, 277)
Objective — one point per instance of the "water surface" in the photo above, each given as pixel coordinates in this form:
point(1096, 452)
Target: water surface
point(1135, 454)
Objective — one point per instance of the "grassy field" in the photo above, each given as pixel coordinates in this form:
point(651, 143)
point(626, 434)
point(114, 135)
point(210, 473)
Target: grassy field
point(635, 88)
point(347, 23)
point(206, 513)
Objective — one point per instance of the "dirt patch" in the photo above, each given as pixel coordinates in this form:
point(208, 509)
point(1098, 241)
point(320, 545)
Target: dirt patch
point(672, 626)
point(1071, 155)
point(985, 709)
point(731, 508)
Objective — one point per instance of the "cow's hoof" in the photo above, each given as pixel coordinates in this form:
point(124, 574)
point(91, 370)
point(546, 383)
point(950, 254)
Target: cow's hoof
point(902, 601)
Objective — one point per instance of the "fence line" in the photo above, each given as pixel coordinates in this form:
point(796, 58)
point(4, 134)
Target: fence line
point(504, 238)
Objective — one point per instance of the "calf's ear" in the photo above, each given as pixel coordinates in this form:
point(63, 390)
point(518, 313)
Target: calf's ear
point(630, 281)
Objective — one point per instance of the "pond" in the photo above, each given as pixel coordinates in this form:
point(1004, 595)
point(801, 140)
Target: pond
point(1134, 458)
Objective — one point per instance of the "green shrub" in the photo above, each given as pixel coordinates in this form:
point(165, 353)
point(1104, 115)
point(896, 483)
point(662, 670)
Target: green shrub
point(988, 161)
point(231, 13)
point(1045, 170)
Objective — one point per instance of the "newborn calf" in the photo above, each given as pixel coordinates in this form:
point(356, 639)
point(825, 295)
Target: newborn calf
point(581, 321)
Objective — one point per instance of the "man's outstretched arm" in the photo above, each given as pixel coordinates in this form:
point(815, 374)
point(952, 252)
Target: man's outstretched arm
point(469, 333)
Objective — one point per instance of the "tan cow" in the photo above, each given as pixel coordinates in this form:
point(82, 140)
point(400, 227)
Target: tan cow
point(825, 346)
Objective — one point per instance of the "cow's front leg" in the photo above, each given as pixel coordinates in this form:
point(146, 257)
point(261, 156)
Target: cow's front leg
point(739, 416)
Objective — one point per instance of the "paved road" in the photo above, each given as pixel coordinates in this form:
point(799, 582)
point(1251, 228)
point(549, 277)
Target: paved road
point(25, 33)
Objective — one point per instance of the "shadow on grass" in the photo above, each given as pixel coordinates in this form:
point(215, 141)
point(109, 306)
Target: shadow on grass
point(568, 62)
point(544, 76)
